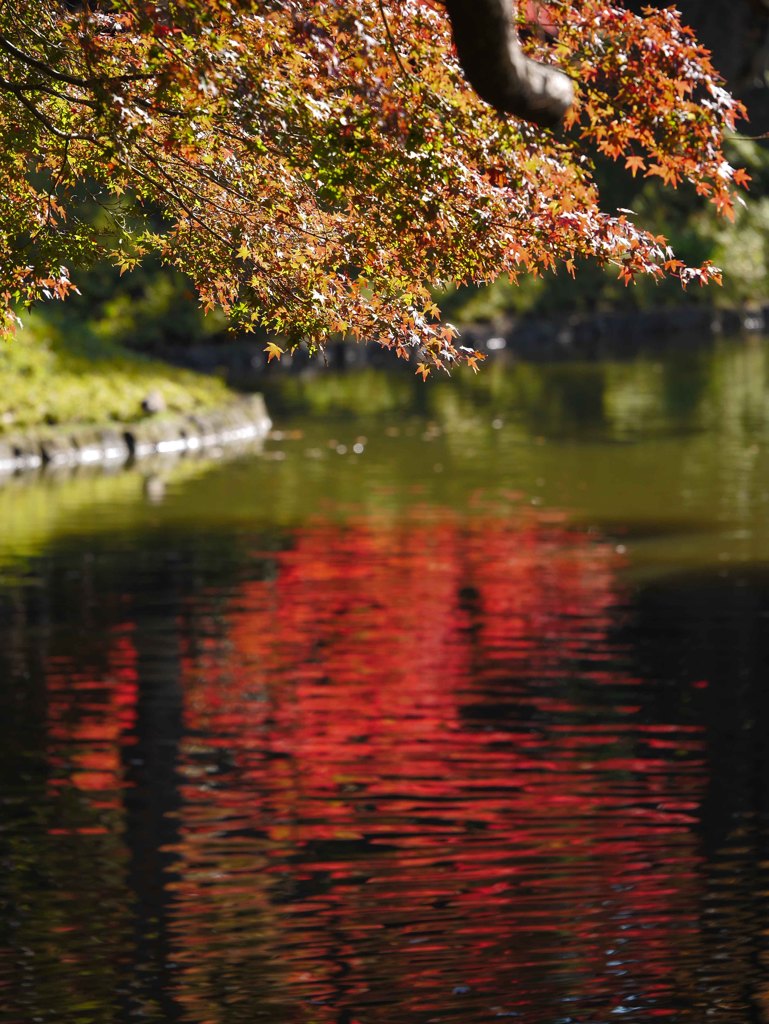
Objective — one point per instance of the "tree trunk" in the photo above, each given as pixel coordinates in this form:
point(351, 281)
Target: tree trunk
point(497, 68)
point(735, 31)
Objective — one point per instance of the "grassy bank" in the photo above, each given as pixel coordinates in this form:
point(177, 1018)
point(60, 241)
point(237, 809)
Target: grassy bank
point(53, 372)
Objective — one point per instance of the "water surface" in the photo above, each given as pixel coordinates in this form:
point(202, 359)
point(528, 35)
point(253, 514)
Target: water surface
point(452, 706)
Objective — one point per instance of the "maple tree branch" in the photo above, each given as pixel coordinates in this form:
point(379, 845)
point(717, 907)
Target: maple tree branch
point(24, 87)
point(39, 115)
point(176, 198)
point(391, 41)
point(63, 76)
point(40, 65)
point(172, 190)
point(491, 57)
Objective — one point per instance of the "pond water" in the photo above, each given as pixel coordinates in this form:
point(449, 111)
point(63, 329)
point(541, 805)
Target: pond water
point(451, 706)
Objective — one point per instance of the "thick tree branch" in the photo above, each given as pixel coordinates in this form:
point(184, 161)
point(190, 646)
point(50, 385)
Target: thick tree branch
point(40, 65)
point(25, 87)
point(39, 115)
point(61, 76)
point(497, 68)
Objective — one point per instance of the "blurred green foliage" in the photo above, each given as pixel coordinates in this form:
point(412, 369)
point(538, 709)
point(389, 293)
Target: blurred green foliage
point(146, 309)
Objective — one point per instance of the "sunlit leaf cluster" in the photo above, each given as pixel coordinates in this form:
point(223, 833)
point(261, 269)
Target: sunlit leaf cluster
point(317, 166)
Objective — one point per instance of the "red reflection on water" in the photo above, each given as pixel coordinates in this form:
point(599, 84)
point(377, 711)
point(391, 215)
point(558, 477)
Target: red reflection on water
point(417, 784)
point(91, 713)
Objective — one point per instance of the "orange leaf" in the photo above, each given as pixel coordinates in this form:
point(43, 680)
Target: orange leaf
point(741, 177)
point(634, 164)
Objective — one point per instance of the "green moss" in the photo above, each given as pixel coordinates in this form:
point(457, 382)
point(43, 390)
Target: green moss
point(51, 373)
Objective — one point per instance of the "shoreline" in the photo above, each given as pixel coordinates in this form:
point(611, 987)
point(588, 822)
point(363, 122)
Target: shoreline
point(614, 333)
point(240, 422)
point(245, 421)
point(618, 334)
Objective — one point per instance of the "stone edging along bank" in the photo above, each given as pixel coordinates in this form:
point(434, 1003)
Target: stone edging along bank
point(242, 421)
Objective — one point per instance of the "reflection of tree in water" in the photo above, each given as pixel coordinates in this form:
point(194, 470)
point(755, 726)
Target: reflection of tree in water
point(432, 766)
point(86, 734)
point(417, 777)
point(68, 692)
point(707, 632)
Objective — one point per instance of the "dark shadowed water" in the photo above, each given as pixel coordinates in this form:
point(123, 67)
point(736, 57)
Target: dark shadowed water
point(453, 706)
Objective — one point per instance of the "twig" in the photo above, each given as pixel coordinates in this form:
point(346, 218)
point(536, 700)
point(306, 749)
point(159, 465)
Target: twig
point(41, 117)
point(393, 47)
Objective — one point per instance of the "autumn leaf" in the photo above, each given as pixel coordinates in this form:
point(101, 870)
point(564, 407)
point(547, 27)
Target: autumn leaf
point(273, 351)
point(634, 164)
point(741, 177)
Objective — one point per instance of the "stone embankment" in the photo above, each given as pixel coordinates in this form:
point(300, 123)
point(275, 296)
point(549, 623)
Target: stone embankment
point(243, 422)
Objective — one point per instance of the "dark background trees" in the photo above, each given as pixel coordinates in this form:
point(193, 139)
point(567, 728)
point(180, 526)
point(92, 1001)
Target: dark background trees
point(737, 33)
